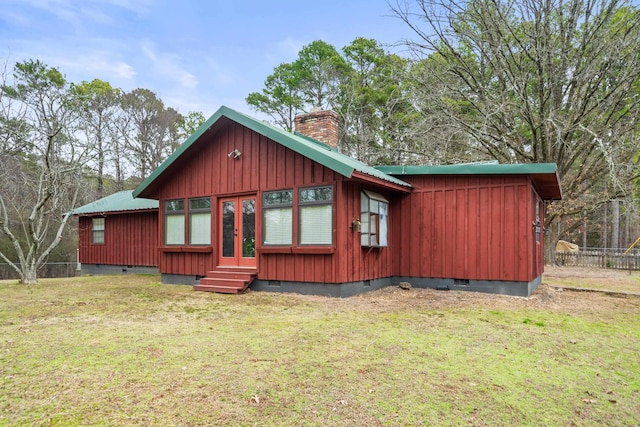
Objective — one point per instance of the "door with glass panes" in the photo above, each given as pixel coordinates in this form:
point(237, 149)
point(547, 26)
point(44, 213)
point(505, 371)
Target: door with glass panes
point(237, 231)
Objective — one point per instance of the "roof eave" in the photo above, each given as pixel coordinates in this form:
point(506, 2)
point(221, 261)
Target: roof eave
point(103, 213)
point(372, 180)
point(544, 176)
point(547, 185)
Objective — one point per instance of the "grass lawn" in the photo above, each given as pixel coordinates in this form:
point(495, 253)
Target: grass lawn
point(125, 350)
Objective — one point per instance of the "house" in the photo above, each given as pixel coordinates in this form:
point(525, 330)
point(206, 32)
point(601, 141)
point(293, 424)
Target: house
point(242, 203)
point(118, 234)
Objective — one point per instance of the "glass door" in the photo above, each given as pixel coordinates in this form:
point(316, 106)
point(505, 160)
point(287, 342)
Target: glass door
point(237, 241)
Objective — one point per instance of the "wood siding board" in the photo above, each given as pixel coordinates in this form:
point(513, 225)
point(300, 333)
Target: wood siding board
point(341, 207)
point(473, 233)
point(240, 164)
point(509, 263)
point(222, 141)
point(290, 167)
point(426, 242)
point(440, 231)
point(462, 215)
point(485, 235)
point(524, 200)
point(413, 218)
point(498, 230)
point(255, 157)
point(449, 238)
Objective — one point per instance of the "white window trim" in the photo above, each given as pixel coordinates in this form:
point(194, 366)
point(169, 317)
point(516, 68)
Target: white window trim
point(98, 231)
point(376, 221)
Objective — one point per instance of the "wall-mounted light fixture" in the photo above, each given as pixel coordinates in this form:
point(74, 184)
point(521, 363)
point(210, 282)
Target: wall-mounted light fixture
point(356, 225)
point(235, 154)
point(537, 227)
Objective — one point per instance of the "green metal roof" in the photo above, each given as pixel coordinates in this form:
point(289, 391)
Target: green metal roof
point(120, 201)
point(472, 169)
point(543, 175)
point(318, 152)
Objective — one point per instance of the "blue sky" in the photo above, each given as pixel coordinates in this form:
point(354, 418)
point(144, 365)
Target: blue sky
point(196, 55)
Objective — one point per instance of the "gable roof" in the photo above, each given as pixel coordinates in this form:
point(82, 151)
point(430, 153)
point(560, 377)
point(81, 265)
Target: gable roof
point(314, 150)
point(544, 175)
point(118, 202)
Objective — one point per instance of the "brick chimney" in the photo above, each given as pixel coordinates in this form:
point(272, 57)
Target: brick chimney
point(321, 125)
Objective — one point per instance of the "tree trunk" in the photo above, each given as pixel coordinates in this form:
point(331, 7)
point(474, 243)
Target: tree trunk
point(605, 228)
point(615, 224)
point(29, 274)
point(627, 223)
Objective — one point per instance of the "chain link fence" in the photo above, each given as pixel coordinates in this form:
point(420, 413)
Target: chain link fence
point(50, 269)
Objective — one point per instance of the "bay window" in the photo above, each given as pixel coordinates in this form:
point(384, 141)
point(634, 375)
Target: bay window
point(374, 211)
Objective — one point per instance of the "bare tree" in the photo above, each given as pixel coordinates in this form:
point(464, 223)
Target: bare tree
point(538, 81)
point(150, 130)
point(42, 184)
point(98, 104)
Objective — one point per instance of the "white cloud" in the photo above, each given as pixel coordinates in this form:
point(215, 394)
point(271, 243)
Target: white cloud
point(284, 51)
point(100, 63)
point(80, 14)
point(94, 58)
point(218, 74)
point(169, 65)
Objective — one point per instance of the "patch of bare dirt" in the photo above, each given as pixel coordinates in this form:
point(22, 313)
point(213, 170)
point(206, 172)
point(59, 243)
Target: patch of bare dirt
point(546, 296)
point(623, 281)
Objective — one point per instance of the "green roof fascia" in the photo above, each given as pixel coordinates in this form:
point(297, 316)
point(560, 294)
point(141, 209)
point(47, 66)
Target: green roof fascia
point(318, 152)
point(472, 169)
point(120, 201)
point(544, 175)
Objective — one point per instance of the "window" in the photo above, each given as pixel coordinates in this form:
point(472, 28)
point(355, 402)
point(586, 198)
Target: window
point(316, 216)
point(538, 225)
point(277, 227)
point(200, 221)
point(374, 211)
point(174, 222)
point(97, 231)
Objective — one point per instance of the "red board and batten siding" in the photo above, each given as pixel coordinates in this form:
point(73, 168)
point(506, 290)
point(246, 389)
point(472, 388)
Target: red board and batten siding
point(131, 238)
point(466, 227)
point(262, 166)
